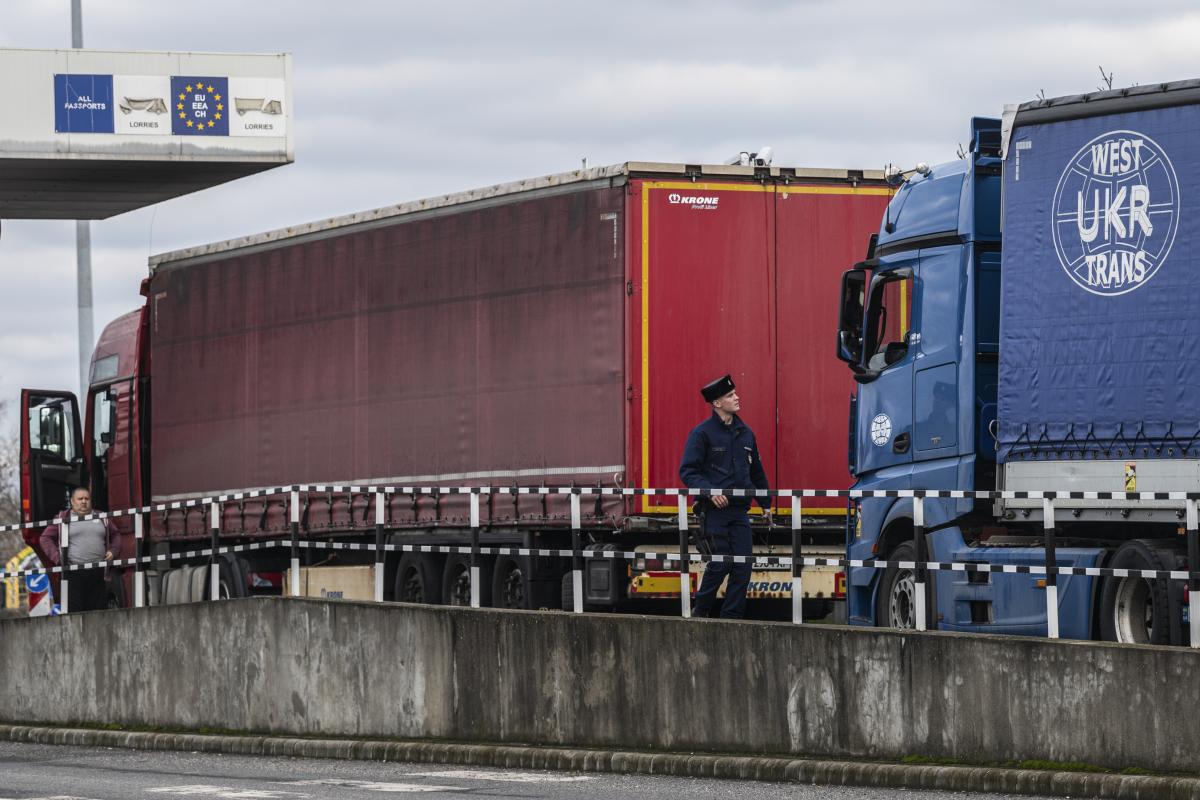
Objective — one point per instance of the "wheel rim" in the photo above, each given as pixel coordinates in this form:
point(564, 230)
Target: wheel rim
point(901, 601)
point(1133, 613)
point(513, 588)
point(412, 588)
point(460, 589)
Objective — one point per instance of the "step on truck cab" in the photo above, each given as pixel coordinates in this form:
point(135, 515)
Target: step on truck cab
point(1024, 321)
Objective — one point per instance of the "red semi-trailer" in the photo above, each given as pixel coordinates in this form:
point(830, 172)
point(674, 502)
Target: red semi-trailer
point(552, 331)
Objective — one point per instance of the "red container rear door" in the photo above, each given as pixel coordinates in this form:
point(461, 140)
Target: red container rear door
point(702, 273)
point(742, 278)
point(823, 231)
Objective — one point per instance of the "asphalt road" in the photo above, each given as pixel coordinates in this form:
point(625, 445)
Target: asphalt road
point(49, 772)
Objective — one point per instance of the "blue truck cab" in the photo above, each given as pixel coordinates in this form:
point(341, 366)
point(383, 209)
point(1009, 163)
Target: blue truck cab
point(1021, 321)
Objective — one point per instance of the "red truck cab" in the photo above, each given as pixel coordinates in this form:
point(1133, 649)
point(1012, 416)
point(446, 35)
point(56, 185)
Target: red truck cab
point(101, 449)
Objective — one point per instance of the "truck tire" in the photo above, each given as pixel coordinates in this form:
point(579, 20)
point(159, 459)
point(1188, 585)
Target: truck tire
point(1137, 610)
point(456, 581)
point(418, 579)
point(895, 602)
point(230, 584)
point(234, 578)
point(510, 583)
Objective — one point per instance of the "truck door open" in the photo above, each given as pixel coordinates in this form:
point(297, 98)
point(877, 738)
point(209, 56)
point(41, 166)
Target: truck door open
point(51, 452)
point(112, 450)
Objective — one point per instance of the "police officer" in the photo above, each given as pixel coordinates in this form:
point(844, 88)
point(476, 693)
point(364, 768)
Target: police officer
point(721, 453)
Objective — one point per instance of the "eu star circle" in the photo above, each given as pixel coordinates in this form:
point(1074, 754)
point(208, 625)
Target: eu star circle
point(199, 106)
point(881, 430)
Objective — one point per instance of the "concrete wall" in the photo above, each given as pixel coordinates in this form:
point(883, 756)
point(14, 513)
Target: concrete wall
point(359, 669)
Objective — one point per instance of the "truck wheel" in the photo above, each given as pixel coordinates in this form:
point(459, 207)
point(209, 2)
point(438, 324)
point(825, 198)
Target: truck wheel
point(1136, 610)
point(895, 602)
point(418, 580)
point(456, 581)
point(510, 584)
point(232, 580)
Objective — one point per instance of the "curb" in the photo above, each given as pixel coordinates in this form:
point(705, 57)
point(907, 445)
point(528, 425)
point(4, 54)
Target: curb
point(786, 770)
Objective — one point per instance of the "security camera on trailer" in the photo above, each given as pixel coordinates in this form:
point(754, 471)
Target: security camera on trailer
point(745, 158)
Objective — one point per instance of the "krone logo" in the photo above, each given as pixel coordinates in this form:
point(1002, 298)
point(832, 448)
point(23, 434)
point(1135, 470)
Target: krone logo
point(695, 201)
point(1116, 212)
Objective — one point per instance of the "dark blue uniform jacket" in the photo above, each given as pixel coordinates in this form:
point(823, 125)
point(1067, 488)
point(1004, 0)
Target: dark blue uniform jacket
point(720, 456)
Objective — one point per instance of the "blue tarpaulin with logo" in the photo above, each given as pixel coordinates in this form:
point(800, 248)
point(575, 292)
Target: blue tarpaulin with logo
point(1100, 297)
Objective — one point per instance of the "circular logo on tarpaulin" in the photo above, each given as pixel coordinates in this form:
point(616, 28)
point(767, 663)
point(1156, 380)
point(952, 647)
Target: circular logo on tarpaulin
point(198, 106)
point(881, 430)
point(1116, 213)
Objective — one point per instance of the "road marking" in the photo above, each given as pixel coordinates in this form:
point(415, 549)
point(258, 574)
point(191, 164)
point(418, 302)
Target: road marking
point(378, 786)
point(227, 792)
point(508, 777)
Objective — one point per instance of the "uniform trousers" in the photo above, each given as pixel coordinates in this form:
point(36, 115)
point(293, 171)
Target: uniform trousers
point(729, 530)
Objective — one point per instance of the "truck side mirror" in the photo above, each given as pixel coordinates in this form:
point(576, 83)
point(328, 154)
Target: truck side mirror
point(850, 318)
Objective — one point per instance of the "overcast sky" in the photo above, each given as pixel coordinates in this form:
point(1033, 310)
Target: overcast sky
point(395, 101)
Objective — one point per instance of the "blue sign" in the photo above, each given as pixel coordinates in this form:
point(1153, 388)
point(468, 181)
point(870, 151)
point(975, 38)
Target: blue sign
point(83, 103)
point(37, 582)
point(199, 106)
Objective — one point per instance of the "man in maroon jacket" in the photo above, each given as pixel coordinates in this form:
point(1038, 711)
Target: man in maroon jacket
point(90, 541)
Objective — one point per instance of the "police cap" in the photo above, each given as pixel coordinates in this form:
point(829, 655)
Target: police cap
point(717, 389)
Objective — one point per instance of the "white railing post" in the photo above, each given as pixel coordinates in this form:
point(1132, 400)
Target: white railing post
point(797, 563)
point(379, 565)
point(295, 525)
point(1051, 569)
point(1193, 545)
point(64, 561)
point(919, 611)
point(576, 554)
point(474, 550)
point(685, 567)
point(214, 562)
point(139, 574)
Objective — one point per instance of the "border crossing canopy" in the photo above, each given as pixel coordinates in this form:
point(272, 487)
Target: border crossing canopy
point(88, 134)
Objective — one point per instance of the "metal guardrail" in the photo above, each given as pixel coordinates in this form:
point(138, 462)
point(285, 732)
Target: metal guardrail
point(684, 558)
